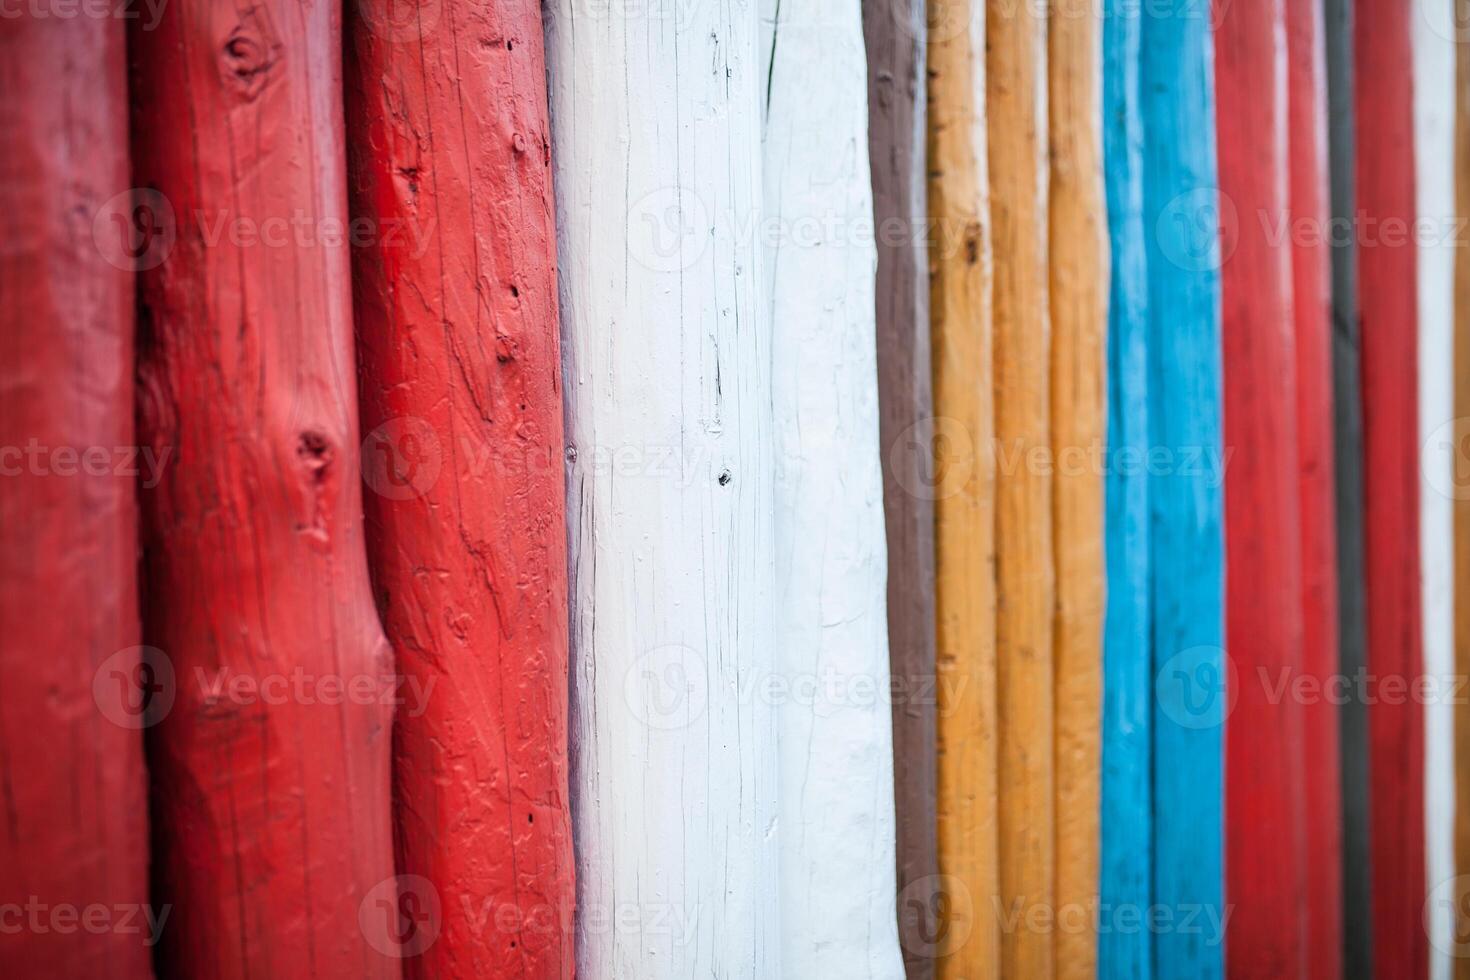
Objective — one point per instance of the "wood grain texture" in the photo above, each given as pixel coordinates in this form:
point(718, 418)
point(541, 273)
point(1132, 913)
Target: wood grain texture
point(1016, 111)
point(272, 811)
point(960, 277)
point(1432, 43)
point(894, 35)
point(1181, 220)
point(71, 744)
point(1127, 803)
point(455, 296)
point(1078, 279)
point(1311, 286)
point(1387, 279)
point(667, 369)
point(836, 751)
point(1265, 819)
point(1460, 436)
point(1357, 856)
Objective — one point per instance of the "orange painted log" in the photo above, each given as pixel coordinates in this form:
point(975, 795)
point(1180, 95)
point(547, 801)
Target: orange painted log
point(270, 771)
point(1078, 277)
point(960, 280)
point(1016, 78)
point(455, 299)
point(74, 852)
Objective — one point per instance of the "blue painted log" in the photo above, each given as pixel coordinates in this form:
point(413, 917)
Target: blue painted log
point(1127, 790)
point(1181, 220)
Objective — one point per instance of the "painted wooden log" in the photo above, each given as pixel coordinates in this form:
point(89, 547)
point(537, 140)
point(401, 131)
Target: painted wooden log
point(1181, 220)
point(1127, 805)
point(960, 277)
point(1460, 460)
point(271, 771)
point(455, 297)
point(1432, 43)
point(1388, 273)
point(1016, 109)
point(836, 750)
point(1078, 277)
point(1357, 857)
point(894, 35)
point(667, 365)
point(71, 744)
point(1265, 821)
point(1311, 288)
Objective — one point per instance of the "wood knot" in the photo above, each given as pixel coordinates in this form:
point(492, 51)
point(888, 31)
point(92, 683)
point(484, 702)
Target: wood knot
point(246, 58)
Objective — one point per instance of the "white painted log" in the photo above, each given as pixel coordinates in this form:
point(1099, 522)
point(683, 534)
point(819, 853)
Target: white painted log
point(1434, 106)
point(667, 361)
point(837, 861)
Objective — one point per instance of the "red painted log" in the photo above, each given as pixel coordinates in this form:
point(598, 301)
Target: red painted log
point(1387, 290)
point(1265, 861)
point(1311, 280)
point(270, 770)
point(71, 752)
point(455, 298)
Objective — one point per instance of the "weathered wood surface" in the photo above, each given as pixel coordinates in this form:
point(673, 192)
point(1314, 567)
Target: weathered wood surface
point(961, 277)
point(894, 35)
point(71, 742)
point(1387, 278)
point(1127, 804)
point(271, 785)
point(1432, 43)
point(836, 750)
point(1311, 286)
point(1078, 280)
point(1181, 221)
point(1016, 110)
point(1357, 857)
point(1265, 819)
point(667, 369)
point(455, 300)
point(1460, 461)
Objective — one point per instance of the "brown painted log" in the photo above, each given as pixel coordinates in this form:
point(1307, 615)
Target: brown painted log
point(270, 771)
point(964, 487)
point(455, 300)
point(71, 747)
point(1078, 277)
point(1016, 79)
point(893, 31)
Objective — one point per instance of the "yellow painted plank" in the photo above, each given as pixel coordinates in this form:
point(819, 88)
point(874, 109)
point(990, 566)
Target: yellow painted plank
point(1016, 80)
point(964, 489)
point(1078, 305)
